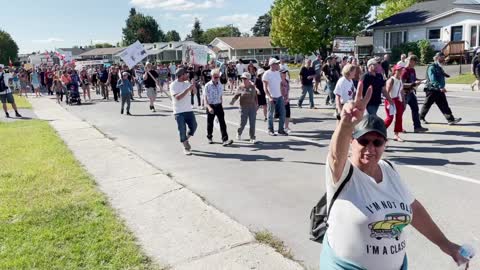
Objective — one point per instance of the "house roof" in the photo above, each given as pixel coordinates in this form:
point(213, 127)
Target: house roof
point(103, 51)
point(423, 11)
point(244, 43)
point(76, 51)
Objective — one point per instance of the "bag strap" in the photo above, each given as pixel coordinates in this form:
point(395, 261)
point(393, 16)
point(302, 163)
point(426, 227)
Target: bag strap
point(350, 172)
point(389, 163)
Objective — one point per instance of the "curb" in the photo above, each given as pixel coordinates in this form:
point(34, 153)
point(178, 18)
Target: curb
point(174, 226)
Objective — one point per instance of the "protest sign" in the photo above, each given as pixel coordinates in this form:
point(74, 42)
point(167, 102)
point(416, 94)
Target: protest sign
point(133, 54)
point(195, 54)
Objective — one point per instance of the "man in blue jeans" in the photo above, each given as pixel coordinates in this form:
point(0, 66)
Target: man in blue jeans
point(180, 90)
point(307, 74)
point(271, 81)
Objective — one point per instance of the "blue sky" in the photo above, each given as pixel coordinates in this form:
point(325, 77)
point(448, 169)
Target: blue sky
point(47, 24)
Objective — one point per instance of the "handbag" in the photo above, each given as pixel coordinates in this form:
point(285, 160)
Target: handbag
point(319, 214)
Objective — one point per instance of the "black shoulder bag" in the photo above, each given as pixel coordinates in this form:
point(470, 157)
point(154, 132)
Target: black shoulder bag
point(319, 214)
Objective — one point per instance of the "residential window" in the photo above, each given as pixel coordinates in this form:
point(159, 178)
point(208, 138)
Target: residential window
point(434, 33)
point(393, 39)
point(473, 36)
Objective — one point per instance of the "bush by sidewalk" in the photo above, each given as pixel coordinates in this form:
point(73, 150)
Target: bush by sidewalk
point(51, 215)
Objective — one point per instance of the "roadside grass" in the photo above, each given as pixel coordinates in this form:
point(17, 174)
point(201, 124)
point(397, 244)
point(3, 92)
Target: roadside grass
point(51, 214)
point(21, 102)
point(294, 74)
point(462, 79)
point(267, 238)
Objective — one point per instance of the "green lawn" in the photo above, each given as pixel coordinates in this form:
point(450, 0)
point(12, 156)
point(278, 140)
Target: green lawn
point(462, 79)
point(21, 103)
point(51, 214)
point(294, 74)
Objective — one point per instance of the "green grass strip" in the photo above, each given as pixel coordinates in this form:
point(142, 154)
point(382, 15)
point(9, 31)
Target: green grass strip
point(51, 214)
point(21, 102)
point(462, 79)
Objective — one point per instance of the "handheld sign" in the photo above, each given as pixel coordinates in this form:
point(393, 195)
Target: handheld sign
point(133, 54)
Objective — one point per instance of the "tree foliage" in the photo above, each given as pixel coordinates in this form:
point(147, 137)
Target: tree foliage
point(392, 7)
point(8, 48)
point(103, 45)
point(224, 31)
point(262, 26)
point(172, 36)
point(142, 28)
point(197, 32)
point(305, 26)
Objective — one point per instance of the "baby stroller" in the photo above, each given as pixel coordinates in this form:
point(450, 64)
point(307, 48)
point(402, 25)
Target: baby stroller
point(73, 94)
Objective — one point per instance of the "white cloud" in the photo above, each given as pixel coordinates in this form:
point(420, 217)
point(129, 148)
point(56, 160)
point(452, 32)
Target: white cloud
point(177, 4)
point(244, 22)
point(49, 40)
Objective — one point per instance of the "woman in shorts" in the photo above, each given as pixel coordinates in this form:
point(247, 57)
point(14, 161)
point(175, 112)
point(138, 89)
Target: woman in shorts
point(232, 76)
point(35, 79)
point(58, 89)
point(85, 84)
point(24, 83)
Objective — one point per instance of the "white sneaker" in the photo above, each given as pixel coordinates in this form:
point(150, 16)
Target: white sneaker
point(239, 137)
point(187, 152)
point(252, 141)
point(287, 130)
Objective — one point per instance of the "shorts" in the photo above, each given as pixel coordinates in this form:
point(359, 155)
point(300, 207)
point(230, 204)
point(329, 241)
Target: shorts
point(287, 112)
point(36, 85)
point(318, 78)
point(239, 77)
point(7, 98)
point(162, 82)
point(152, 92)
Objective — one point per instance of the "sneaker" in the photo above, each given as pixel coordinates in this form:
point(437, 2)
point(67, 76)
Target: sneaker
point(265, 120)
point(425, 122)
point(187, 152)
point(287, 130)
point(239, 137)
point(7, 115)
point(252, 141)
point(316, 92)
point(299, 106)
point(153, 109)
point(121, 111)
point(17, 114)
point(271, 133)
point(420, 130)
point(210, 141)
point(454, 121)
point(227, 143)
point(187, 146)
point(128, 113)
point(282, 133)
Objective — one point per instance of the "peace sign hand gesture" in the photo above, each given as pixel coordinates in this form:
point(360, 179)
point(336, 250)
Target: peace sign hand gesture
point(352, 112)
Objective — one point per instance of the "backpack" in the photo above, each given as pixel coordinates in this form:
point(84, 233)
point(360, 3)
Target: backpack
point(3, 87)
point(319, 214)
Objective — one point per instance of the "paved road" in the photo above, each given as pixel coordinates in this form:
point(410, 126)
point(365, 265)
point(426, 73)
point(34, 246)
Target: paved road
point(274, 184)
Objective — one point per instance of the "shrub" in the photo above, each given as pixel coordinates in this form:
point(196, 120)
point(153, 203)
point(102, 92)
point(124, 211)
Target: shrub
point(426, 51)
point(404, 48)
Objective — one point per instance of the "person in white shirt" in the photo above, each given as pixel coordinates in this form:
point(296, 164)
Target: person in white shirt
point(403, 61)
point(367, 220)
point(180, 90)
point(240, 70)
point(213, 99)
point(272, 81)
point(6, 95)
point(344, 90)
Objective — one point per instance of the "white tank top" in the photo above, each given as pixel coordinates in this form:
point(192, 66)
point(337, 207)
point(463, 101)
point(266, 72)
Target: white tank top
point(397, 87)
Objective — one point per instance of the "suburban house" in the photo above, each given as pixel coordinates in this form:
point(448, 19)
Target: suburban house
point(233, 48)
point(110, 54)
point(445, 23)
point(166, 51)
point(363, 46)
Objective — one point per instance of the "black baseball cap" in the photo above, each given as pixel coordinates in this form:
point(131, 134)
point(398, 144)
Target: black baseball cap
point(370, 123)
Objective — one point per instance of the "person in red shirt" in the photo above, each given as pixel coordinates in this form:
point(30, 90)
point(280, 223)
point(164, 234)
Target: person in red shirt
point(410, 82)
point(49, 80)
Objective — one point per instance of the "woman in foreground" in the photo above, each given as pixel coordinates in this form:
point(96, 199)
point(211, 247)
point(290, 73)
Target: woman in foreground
point(375, 205)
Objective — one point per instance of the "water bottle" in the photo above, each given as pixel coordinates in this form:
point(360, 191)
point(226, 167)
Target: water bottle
point(467, 252)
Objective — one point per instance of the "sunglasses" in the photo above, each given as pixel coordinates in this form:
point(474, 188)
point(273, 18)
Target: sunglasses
point(376, 142)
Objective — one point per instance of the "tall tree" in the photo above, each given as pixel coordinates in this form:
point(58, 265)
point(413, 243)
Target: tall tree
point(262, 26)
point(305, 26)
point(8, 48)
point(103, 45)
point(225, 31)
point(142, 28)
point(392, 7)
point(197, 32)
point(172, 36)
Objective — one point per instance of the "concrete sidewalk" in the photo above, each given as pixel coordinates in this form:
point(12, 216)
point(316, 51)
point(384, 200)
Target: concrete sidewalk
point(175, 227)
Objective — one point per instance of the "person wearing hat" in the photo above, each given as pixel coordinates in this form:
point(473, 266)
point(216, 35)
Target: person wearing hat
point(395, 90)
point(261, 96)
point(476, 70)
point(126, 90)
point(6, 95)
point(248, 106)
point(410, 81)
point(181, 90)
point(374, 80)
point(272, 84)
point(435, 91)
point(213, 99)
point(150, 80)
point(373, 195)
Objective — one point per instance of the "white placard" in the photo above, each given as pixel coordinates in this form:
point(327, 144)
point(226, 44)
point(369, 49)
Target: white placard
point(133, 54)
point(195, 54)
